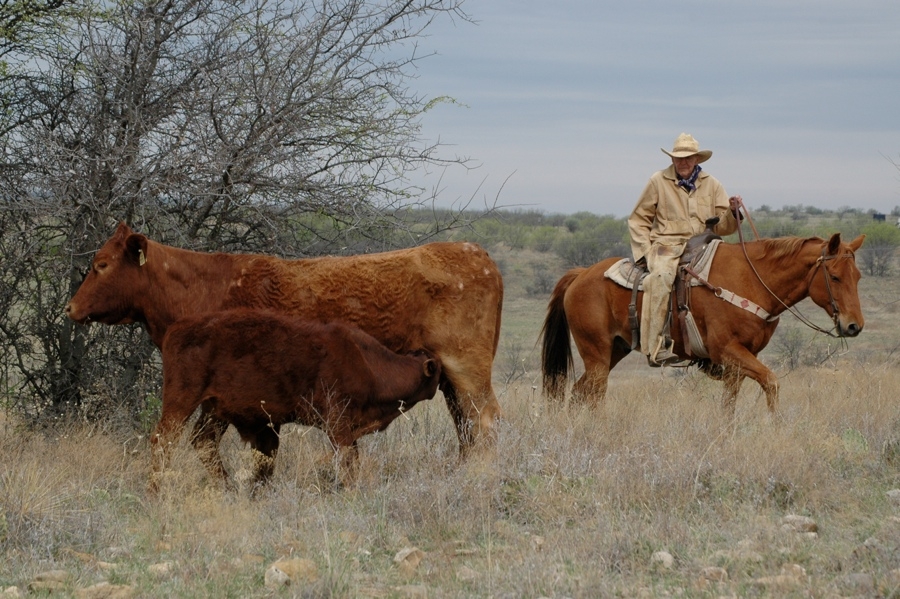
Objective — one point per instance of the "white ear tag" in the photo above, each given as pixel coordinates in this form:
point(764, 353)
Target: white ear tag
point(142, 259)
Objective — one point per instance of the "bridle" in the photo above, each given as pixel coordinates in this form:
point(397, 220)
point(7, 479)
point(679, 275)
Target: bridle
point(820, 261)
point(835, 311)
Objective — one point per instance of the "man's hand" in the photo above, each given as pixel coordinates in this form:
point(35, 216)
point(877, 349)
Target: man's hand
point(735, 202)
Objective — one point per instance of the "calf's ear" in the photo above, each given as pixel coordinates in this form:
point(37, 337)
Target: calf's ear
point(136, 248)
point(430, 367)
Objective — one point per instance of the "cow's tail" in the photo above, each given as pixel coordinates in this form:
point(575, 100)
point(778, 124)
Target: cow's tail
point(556, 351)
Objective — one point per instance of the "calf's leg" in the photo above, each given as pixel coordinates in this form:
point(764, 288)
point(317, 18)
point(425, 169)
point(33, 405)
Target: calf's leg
point(206, 437)
point(265, 448)
point(348, 456)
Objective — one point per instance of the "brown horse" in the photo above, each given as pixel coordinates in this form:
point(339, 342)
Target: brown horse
point(789, 269)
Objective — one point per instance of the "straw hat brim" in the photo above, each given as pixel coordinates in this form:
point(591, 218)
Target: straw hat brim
point(703, 154)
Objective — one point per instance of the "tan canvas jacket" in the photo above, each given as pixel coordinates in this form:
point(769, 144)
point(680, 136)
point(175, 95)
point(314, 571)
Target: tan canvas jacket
point(666, 213)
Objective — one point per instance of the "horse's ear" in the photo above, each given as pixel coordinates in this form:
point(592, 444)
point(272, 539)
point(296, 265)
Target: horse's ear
point(856, 243)
point(834, 244)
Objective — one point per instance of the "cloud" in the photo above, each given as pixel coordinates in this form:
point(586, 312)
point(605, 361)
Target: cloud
point(798, 100)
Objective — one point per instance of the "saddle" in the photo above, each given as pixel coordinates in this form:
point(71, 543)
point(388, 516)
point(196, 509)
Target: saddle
point(693, 267)
point(695, 252)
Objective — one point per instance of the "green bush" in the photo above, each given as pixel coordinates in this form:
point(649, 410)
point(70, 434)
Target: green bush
point(876, 256)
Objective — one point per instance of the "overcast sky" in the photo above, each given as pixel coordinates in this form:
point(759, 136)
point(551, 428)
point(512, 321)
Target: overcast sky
point(565, 105)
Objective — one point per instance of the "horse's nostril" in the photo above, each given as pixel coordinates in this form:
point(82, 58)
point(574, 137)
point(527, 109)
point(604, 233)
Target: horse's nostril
point(853, 329)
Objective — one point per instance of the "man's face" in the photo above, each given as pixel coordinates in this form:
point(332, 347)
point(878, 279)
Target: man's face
point(685, 166)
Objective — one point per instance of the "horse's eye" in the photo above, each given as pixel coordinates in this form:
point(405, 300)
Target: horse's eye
point(835, 279)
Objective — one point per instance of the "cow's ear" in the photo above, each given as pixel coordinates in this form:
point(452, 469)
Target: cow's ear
point(136, 248)
point(122, 231)
point(857, 243)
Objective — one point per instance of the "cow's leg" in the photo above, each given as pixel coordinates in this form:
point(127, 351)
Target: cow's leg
point(166, 433)
point(206, 437)
point(265, 448)
point(474, 408)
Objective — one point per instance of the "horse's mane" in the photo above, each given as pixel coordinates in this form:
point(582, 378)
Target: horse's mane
point(784, 248)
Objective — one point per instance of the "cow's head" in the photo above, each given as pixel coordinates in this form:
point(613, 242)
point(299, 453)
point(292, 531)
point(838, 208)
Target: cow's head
point(111, 290)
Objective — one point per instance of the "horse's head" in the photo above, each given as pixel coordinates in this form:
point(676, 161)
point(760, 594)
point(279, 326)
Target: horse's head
point(835, 289)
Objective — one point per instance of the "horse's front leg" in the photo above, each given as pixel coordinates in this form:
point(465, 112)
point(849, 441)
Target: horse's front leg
point(739, 363)
point(732, 378)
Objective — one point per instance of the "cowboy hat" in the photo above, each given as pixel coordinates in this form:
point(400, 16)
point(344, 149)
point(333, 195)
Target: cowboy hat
point(685, 145)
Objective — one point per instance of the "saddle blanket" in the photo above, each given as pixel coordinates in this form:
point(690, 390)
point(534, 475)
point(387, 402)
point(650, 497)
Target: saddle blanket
point(624, 272)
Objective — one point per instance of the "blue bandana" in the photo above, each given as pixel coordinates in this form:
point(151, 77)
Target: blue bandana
point(689, 184)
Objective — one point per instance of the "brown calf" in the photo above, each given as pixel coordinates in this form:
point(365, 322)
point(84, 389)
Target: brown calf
point(258, 370)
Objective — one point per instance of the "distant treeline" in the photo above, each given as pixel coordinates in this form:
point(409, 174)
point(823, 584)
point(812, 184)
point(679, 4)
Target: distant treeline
point(584, 238)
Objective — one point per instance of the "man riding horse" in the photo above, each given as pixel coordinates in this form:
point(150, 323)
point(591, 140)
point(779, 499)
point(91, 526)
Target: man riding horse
point(674, 206)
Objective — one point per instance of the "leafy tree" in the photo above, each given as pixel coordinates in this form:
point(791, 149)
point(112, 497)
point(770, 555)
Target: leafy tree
point(247, 125)
point(877, 254)
point(21, 20)
point(594, 238)
point(541, 238)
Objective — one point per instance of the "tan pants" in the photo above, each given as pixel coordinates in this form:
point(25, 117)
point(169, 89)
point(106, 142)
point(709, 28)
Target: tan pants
point(662, 263)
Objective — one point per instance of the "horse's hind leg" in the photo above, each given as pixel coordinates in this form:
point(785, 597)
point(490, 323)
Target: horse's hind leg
point(590, 386)
point(599, 359)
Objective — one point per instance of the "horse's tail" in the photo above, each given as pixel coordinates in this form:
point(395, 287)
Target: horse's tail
point(556, 352)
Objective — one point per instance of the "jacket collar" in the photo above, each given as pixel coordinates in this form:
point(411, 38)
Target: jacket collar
point(669, 173)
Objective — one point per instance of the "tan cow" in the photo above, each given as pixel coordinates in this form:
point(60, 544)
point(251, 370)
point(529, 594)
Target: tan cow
point(444, 297)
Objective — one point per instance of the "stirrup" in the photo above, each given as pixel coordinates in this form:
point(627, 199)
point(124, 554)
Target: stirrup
point(663, 356)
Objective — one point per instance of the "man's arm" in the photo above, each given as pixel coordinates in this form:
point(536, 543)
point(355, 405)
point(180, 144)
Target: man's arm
point(640, 222)
point(725, 210)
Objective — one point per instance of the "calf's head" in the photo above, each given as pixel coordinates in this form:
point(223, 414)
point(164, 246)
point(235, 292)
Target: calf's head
point(431, 370)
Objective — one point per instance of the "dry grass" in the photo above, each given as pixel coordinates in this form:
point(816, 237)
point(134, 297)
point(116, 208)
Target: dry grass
point(574, 502)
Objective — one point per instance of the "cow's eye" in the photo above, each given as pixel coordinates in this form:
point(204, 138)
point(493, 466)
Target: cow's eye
point(100, 265)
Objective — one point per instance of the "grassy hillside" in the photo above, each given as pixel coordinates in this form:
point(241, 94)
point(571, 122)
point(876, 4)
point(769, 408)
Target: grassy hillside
point(647, 495)
point(576, 503)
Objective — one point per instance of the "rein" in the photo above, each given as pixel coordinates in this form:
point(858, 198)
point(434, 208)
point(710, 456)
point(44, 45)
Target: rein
point(835, 312)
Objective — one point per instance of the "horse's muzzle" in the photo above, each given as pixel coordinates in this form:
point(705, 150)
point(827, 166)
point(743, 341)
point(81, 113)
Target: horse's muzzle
point(850, 330)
